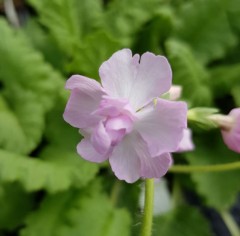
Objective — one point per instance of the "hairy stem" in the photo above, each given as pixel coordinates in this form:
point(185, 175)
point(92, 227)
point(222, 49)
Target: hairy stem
point(148, 208)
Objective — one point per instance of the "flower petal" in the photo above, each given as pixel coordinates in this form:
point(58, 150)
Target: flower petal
point(87, 151)
point(155, 167)
point(154, 78)
point(131, 160)
point(119, 72)
point(100, 139)
point(123, 77)
point(125, 161)
point(85, 97)
point(162, 125)
point(232, 137)
point(186, 143)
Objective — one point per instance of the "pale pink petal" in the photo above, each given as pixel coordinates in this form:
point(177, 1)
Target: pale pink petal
point(162, 125)
point(119, 72)
point(100, 139)
point(87, 151)
point(125, 161)
point(123, 77)
point(232, 137)
point(186, 143)
point(113, 107)
point(131, 160)
point(84, 99)
point(154, 78)
point(155, 167)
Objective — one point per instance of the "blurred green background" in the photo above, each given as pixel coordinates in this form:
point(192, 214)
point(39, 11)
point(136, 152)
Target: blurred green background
point(45, 188)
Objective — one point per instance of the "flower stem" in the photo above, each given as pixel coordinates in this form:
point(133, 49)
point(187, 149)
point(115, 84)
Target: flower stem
point(205, 168)
point(230, 223)
point(148, 208)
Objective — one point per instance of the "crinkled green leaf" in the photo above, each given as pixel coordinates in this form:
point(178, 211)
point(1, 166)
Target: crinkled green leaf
point(219, 189)
point(25, 120)
point(190, 73)
point(58, 132)
point(204, 26)
point(224, 77)
point(78, 213)
point(50, 174)
point(233, 10)
point(22, 66)
point(15, 204)
point(153, 35)
point(68, 20)
point(9, 125)
point(81, 171)
point(91, 55)
point(236, 95)
point(45, 43)
point(182, 221)
point(124, 18)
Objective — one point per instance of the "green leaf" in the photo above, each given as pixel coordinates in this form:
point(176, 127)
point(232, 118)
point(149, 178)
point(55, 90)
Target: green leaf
point(68, 20)
point(204, 26)
point(182, 221)
point(127, 17)
point(57, 172)
point(81, 171)
point(15, 205)
point(25, 121)
point(236, 95)
point(154, 33)
point(23, 68)
point(233, 10)
point(58, 132)
point(78, 213)
point(91, 55)
point(218, 189)
point(45, 43)
point(189, 73)
point(224, 77)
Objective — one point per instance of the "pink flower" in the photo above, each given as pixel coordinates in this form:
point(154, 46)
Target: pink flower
point(121, 122)
point(230, 128)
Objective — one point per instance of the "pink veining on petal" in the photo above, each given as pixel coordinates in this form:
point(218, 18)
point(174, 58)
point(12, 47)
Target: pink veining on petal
point(131, 160)
point(231, 136)
point(186, 143)
point(84, 99)
point(86, 150)
point(162, 125)
point(123, 76)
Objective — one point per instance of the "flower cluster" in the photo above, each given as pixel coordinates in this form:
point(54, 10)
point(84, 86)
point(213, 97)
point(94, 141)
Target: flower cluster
point(124, 120)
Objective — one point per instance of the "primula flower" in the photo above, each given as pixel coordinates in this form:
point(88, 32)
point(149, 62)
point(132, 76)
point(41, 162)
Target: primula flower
point(230, 128)
point(124, 120)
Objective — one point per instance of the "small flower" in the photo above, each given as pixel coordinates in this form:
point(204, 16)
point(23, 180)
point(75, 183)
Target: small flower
point(230, 128)
point(120, 121)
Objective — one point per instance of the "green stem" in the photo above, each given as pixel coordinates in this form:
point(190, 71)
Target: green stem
point(230, 223)
point(205, 168)
point(148, 208)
